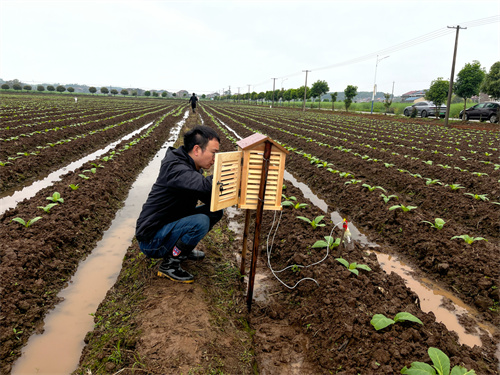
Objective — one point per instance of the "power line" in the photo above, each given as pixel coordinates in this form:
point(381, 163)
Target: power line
point(403, 45)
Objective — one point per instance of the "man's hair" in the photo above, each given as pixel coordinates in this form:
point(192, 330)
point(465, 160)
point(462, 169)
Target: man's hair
point(199, 135)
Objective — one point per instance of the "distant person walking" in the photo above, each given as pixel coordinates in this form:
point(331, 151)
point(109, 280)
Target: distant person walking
point(193, 99)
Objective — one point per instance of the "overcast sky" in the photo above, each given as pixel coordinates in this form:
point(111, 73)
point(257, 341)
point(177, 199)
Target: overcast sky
point(206, 46)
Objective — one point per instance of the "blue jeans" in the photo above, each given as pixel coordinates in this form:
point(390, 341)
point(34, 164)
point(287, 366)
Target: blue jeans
point(190, 230)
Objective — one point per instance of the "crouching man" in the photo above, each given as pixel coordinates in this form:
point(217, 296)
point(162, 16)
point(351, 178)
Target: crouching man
point(171, 224)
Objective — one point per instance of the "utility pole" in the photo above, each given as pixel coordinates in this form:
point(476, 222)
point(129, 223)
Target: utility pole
point(274, 81)
point(392, 94)
point(450, 88)
point(238, 100)
point(248, 94)
point(375, 81)
point(305, 91)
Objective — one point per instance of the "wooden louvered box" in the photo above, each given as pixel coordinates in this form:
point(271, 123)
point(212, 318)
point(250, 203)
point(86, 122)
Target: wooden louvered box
point(237, 175)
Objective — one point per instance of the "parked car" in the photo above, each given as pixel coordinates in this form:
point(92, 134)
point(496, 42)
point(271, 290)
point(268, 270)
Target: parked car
point(425, 109)
point(482, 111)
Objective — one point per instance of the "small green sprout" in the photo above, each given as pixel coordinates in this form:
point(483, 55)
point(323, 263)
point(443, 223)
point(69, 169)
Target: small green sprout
point(74, 187)
point(438, 223)
point(388, 198)
point(379, 321)
point(83, 176)
point(430, 181)
point(469, 239)
point(314, 223)
point(353, 181)
point(404, 208)
point(56, 198)
point(330, 242)
point(48, 207)
point(482, 197)
point(28, 223)
point(456, 187)
point(372, 188)
point(353, 267)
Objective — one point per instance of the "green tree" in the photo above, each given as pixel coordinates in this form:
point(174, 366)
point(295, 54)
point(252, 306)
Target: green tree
point(203, 96)
point(387, 102)
point(300, 93)
point(16, 86)
point(491, 83)
point(27, 88)
point(350, 92)
point(40, 88)
point(147, 93)
point(5, 86)
point(60, 88)
point(174, 94)
point(334, 99)
point(114, 92)
point(469, 81)
point(70, 89)
point(104, 90)
point(319, 88)
point(164, 94)
point(92, 90)
point(51, 88)
point(134, 93)
point(438, 93)
point(155, 94)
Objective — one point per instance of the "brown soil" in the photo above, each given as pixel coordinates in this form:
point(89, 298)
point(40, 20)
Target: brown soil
point(160, 327)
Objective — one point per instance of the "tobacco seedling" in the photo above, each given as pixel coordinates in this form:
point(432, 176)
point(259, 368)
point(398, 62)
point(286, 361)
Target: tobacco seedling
point(83, 176)
point(404, 208)
point(56, 198)
point(379, 321)
point(372, 188)
point(48, 207)
point(456, 186)
point(430, 181)
point(440, 363)
point(438, 223)
point(17, 333)
point(388, 198)
point(353, 181)
point(28, 223)
point(353, 267)
point(330, 242)
point(314, 223)
point(482, 197)
point(288, 202)
point(91, 170)
point(73, 186)
point(469, 239)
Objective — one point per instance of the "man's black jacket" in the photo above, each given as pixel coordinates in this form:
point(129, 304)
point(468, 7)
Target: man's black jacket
point(174, 195)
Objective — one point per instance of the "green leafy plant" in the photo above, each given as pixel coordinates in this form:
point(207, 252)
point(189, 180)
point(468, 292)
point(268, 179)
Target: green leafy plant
point(290, 202)
point(430, 181)
point(456, 186)
point(372, 188)
point(469, 239)
point(353, 267)
point(28, 223)
point(48, 207)
point(438, 223)
point(380, 321)
point(388, 198)
point(404, 208)
point(83, 176)
point(440, 363)
point(353, 181)
point(482, 197)
point(314, 223)
point(56, 198)
point(74, 187)
point(330, 242)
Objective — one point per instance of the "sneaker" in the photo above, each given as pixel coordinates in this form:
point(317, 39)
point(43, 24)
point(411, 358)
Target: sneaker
point(196, 255)
point(171, 269)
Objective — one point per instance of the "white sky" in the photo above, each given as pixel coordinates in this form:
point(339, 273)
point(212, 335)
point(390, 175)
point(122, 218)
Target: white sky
point(207, 46)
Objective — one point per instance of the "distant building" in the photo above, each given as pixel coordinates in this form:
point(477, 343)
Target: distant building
point(183, 94)
point(412, 96)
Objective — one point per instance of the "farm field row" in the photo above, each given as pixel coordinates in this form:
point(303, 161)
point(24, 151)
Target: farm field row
point(468, 269)
point(317, 328)
point(320, 326)
point(39, 257)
